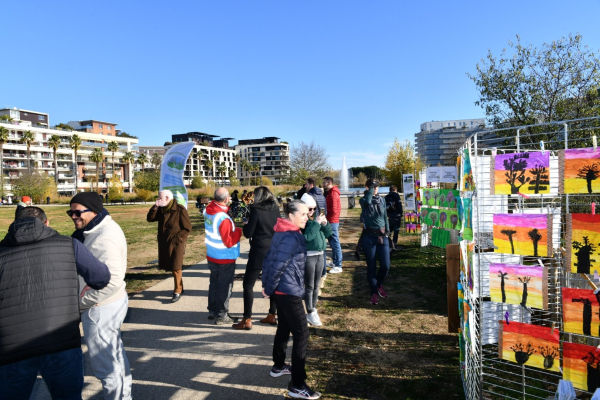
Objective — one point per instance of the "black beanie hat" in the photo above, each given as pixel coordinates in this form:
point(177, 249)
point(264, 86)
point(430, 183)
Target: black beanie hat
point(91, 200)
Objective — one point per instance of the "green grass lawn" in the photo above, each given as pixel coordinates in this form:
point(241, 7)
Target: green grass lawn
point(141, 239)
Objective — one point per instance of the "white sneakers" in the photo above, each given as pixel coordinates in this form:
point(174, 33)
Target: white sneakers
point(335, 270)
point(313, 318)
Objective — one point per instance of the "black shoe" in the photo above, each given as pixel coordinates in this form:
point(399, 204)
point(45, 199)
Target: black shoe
point(211, 316)
point(227, 319)
point(176, 297)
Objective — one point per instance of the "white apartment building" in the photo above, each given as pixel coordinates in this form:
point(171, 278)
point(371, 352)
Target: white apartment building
point(42, 156)
point(272, 157)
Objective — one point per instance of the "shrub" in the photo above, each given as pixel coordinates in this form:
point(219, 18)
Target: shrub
point(147, 180)
point(115, 188)
point(35, 185)
point(144, 195)
point(198, 183)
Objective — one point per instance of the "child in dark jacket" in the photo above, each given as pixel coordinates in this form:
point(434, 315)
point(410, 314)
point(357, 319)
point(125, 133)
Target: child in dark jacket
point(283, 278)
point(316, 232)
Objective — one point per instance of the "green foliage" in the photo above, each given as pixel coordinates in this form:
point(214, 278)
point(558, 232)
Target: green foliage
point(557, 81)
point(147, 180)
point(399, 160)
point(371, 171)
point(35, 185)
point(198, 182)
point(145, 195)
point(266, 181)
point(115, 188)
point(65, 127)
point(234, 181)
point(5, 117)
point(126, 135)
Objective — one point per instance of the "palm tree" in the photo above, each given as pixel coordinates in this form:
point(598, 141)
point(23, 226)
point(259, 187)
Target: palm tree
point(142, 159)
point(156, 160)
point(112, 147)
point(75, 143)
point(245, 165)
point(54, 144)
point(232, 173)
point(254, 168)
point(209, 166)
point(3, 139)
point(97, 156)
point(221, 169)
point(129, 159)
point(27, 138)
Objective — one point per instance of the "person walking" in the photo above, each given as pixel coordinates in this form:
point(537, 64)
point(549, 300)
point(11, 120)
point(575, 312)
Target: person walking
point(174, 226)
point(222, 249)
point(259, 229)
point(103, 311)
point(334, 208)
point(394, 212)
point(39, 307)
point(315, 233)
point(374, 242)
point(283, 278)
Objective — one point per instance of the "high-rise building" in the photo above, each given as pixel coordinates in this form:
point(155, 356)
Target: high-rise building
point(438, 142)
point(271, 156)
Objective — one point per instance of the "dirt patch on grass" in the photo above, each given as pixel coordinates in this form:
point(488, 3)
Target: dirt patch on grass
point(399, 349)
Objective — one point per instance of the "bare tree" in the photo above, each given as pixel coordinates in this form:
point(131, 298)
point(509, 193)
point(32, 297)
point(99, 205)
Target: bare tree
point(308, 160)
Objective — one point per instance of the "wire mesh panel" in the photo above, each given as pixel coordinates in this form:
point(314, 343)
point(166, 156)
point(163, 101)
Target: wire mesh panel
point(520, 175)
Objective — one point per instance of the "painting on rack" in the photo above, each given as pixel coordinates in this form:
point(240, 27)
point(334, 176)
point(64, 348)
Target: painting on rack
point(467, 182)
point(581, 366)
point(431, 197)
point(449, 199)
point(583, 243)
point(531, 345)
point(579, 171)
point(525, 285)
point(523, 234)
point(526, 173)
point(440, 238)
point(466, 213)
point(580, 311)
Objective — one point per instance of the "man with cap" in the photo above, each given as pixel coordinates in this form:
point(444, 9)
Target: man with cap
point(25, 202)
point(222, 249)
point(374, 241)
point(104, 310)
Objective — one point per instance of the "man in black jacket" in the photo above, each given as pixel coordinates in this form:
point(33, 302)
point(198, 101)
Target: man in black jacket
point(39, 307)
point(394, 212)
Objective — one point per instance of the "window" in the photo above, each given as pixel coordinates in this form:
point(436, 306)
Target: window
point(41, 118)
point(100, 126)
point(109, 127)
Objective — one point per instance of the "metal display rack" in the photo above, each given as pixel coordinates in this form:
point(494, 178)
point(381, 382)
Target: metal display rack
point(485, 375)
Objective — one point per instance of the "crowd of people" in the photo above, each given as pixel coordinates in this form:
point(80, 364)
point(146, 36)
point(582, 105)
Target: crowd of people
point(62, 280)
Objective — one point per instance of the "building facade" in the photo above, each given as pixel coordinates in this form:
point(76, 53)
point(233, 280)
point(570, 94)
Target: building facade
point(41, 158)
point(26, 117)
point(438, 142)
point(271, 156)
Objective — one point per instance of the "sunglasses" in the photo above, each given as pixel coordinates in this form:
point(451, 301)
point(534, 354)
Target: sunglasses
point(76, 213)
point(312, 209)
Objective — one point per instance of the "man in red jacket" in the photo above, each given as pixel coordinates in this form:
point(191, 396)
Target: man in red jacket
point(334, 206)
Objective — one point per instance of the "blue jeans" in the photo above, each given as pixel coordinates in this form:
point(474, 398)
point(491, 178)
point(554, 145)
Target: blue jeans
point(373, 251)
point(336, 248)
point(62, 372)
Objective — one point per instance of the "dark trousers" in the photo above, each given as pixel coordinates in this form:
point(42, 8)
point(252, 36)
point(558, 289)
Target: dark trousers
point(395, 227)
point(292, 319)
point(62, 372)
point(250, 278)
point(312, 280)
point(373, 251)
point(220, 286)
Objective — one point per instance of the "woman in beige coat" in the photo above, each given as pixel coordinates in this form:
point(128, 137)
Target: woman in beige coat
point(174, 226)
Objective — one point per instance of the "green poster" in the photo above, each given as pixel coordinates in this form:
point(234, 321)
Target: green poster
point(440, 238)
point(449, 198)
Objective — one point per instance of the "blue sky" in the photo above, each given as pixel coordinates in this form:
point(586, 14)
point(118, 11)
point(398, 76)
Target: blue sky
point(349, 75)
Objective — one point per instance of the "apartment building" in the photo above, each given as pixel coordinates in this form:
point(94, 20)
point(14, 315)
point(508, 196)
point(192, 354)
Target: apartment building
point(94, 126)
point(26, 117)
point(212, 159)
point(272, 157)
point(42, 156)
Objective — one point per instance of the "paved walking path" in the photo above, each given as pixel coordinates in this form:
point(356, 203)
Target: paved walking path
point(175, 352)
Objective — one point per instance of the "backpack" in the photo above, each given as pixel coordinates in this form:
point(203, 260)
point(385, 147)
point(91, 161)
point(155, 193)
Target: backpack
point(390, 203)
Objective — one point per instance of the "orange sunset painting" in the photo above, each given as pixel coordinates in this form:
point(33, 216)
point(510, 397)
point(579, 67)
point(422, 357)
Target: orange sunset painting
point(580, 311)
point(524, 234)
point(580, 170)
point(583, 243)
point(581, 365)
point(531, 345)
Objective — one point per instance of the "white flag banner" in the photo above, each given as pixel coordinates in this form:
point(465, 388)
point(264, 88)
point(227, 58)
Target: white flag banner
point(408, 189)
point(171, 171)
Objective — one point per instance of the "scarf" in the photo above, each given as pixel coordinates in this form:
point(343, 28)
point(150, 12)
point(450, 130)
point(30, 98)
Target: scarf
point(78, 234)
point(168, 207)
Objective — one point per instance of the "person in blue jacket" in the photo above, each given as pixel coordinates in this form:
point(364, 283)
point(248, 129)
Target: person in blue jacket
point(283, 278)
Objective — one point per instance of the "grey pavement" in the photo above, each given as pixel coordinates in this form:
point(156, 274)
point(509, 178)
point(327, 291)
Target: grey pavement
point(175, 352)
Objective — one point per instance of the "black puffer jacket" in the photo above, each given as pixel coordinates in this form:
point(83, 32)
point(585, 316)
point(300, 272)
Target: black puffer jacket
point(317, 193)
point(259, 229)
point(39, 308)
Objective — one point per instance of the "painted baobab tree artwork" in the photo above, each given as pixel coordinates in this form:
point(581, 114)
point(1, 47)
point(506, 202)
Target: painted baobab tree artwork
point(525, 285)
point(526, 173)
point(581, 366)
point(523, 234)
point(449, 198)
point(449, 219)
point(583, 243)
point(531, 345)
point(579, 171)
point(580, 311)
point(430, 216)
